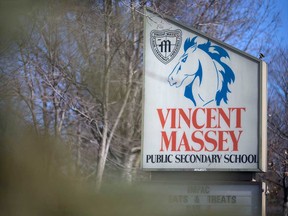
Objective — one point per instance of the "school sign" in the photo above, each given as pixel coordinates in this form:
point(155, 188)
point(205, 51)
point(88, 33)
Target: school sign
point(204, 102)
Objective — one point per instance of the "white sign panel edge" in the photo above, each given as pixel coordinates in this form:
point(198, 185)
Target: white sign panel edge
point(263, 119)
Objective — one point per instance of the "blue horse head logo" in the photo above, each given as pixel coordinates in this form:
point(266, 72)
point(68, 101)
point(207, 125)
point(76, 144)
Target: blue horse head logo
point(204, 82)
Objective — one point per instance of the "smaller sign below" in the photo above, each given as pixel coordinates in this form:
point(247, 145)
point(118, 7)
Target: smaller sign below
point(197, 198)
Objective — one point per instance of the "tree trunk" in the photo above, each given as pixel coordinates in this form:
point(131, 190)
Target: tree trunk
point(102, 155)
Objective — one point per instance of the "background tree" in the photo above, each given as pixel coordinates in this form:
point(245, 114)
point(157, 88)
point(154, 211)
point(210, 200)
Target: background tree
point(75, 71)
point(278, 127)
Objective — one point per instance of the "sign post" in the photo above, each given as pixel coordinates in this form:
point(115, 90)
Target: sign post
point(205, 108)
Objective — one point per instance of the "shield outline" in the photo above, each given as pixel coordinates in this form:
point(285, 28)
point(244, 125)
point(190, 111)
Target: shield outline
point(166, 33)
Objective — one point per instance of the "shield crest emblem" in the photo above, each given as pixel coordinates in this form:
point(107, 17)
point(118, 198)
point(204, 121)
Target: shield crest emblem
point(165, 44)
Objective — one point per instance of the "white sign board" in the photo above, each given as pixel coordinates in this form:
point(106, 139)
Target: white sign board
point(204, 102)
point(211, 198)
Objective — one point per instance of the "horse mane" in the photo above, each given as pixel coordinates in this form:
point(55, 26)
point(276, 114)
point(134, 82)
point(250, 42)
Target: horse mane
point(189, 43)
point(216, 53)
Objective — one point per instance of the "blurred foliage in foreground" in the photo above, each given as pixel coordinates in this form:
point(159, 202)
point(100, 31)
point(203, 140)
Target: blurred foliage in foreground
point(35, 181)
